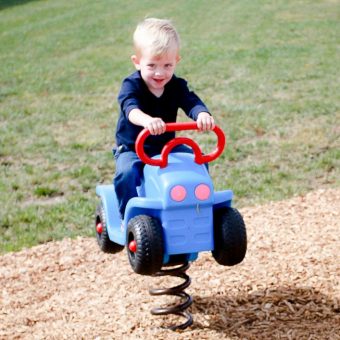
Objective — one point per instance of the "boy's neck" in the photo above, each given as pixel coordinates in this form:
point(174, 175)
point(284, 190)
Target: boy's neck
point(157, 92)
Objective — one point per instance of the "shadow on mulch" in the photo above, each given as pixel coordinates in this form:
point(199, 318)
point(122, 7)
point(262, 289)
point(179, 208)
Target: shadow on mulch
point(268, 314)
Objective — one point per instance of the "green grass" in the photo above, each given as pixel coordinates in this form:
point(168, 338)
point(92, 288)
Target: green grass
point(266, 69)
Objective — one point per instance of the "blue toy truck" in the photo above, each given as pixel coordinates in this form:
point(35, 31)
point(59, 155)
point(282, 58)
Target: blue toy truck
point(177, 213)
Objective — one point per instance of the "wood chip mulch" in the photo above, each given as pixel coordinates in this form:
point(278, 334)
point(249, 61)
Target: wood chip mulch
point(288, 286)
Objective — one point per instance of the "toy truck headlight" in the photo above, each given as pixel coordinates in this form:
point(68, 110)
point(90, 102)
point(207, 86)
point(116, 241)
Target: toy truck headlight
point(178, 193)
point(202, 192)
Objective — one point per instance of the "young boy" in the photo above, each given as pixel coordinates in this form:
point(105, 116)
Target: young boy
point(149, 98)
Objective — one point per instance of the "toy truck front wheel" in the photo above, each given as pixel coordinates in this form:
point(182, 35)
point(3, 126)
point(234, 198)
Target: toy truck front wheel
point(230, 237)
point(145, 244)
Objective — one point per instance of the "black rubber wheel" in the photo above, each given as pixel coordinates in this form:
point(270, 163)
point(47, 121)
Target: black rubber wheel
point(104, 242)
point(146, 232)
point(230, 237)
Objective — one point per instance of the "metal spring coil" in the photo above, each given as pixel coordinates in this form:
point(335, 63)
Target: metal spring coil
point(178, 309)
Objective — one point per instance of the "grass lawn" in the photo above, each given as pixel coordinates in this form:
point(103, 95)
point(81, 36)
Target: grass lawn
point(268, 71)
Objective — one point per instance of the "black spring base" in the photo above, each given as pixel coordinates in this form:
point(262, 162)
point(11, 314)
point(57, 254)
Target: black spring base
point(180, 308)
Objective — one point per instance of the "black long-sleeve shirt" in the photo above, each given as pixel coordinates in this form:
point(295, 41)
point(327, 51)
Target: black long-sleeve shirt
point(135, 94)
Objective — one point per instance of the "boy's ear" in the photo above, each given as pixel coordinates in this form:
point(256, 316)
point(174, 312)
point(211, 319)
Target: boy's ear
point(135, 61)
point(178, 58)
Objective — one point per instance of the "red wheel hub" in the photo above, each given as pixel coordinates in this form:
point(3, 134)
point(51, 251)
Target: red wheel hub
point(99, 228)
point(133, 246)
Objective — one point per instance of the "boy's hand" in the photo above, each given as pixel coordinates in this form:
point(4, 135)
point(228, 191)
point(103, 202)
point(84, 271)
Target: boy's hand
point(156, 126)
point(205, 121)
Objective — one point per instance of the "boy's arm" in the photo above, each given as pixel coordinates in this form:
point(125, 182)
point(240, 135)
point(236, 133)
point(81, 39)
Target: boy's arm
point(129, 102)
point(194, 107)
point(155, 125)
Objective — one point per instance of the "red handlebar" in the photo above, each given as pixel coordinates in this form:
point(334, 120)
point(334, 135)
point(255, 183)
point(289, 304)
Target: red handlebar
point(163, 160)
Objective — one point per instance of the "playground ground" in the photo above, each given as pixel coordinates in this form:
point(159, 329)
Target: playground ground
point(286, 288)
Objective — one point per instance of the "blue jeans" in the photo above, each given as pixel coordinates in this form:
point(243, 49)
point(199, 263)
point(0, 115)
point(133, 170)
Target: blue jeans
point(129, 172)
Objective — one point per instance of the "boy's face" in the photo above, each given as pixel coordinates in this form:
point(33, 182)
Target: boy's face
point(156, 71)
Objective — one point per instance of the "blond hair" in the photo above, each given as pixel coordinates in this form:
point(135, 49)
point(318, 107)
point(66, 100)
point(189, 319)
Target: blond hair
point(157, 35)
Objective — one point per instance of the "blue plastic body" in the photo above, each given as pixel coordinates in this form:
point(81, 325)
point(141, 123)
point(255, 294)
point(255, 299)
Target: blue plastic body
point(187, 224)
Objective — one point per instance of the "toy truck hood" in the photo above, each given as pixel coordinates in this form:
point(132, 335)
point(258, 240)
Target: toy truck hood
point(181, 170)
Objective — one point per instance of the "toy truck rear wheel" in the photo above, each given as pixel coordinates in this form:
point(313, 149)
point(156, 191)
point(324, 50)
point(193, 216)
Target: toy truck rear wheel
point(145, 244)
point(230, 237)
point(103, 240)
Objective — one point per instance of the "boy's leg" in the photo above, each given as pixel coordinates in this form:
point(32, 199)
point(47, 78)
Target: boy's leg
point(129, 171)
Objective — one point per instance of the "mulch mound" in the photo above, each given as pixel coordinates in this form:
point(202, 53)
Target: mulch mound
point(288, 286)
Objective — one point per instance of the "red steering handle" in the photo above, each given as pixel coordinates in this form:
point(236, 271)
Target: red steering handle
point(163, 160)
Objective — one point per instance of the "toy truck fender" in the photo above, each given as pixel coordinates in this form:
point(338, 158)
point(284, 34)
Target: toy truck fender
point(223, 199)
point(108, 198)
